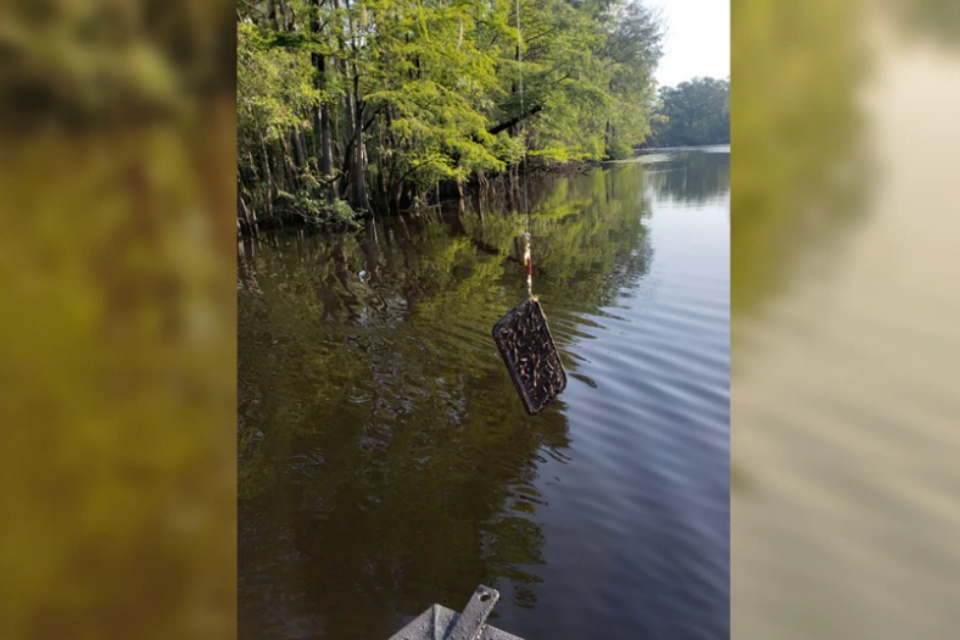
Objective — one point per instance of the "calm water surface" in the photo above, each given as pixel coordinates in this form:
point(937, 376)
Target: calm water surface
point(386, 463)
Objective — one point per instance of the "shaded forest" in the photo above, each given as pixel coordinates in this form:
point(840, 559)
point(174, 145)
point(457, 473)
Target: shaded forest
point(346, 108)
point(695, 112)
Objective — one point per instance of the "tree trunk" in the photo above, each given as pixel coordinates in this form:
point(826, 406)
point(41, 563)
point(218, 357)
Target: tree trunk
point(267, 174)
point(326, 154)
point(359, 151)
point(274, 14)
point(347, 123)
point(300, 153)
point(282, 164)
point(249, 215)
point(503, 126)
point(322, 116)
point(358, 172)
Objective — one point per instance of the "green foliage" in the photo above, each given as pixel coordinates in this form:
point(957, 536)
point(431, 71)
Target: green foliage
point(408, 95)
point(273, 87)
point(342, 212)
point(336, 215)
point(694, 112)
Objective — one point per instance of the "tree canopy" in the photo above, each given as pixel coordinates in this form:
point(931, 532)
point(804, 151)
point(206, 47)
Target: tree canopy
point(692, 113)
point(377, 102)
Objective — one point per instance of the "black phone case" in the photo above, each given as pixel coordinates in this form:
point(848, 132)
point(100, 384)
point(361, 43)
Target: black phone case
point(526, 345)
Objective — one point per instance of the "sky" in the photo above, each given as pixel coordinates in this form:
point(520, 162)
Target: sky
point(697, 42)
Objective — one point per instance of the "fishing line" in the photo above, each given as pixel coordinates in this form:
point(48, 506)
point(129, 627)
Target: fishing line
point(527, 251)
point(522, 335)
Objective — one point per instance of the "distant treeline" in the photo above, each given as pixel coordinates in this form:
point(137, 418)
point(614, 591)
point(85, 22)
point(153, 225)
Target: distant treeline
point(346, 107)
point(692, 113)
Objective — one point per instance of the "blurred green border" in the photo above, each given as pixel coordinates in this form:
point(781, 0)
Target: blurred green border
point(117, 336)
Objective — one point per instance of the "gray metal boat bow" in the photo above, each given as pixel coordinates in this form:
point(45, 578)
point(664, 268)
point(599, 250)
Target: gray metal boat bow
point(441, 623)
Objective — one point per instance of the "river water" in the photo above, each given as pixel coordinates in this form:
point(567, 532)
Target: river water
point(387, 464)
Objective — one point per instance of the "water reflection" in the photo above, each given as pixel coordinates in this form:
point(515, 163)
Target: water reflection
point(385, 462)
point(689, 176)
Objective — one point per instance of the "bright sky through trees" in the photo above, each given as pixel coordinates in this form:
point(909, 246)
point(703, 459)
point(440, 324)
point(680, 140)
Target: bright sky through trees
point(697, 42)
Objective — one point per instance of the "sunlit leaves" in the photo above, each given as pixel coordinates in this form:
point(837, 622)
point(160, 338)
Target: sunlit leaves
point(274, 87)
point(436, 86)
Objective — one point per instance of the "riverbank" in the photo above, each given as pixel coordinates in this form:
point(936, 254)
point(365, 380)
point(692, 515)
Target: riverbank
point(302, 211)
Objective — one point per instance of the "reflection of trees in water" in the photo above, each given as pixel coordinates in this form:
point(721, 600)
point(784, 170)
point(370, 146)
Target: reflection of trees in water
point(587, 235)
point(385, 462)
point(692, 177)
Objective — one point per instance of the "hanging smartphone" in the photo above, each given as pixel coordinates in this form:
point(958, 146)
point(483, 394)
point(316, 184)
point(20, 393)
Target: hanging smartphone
point(532, 359)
